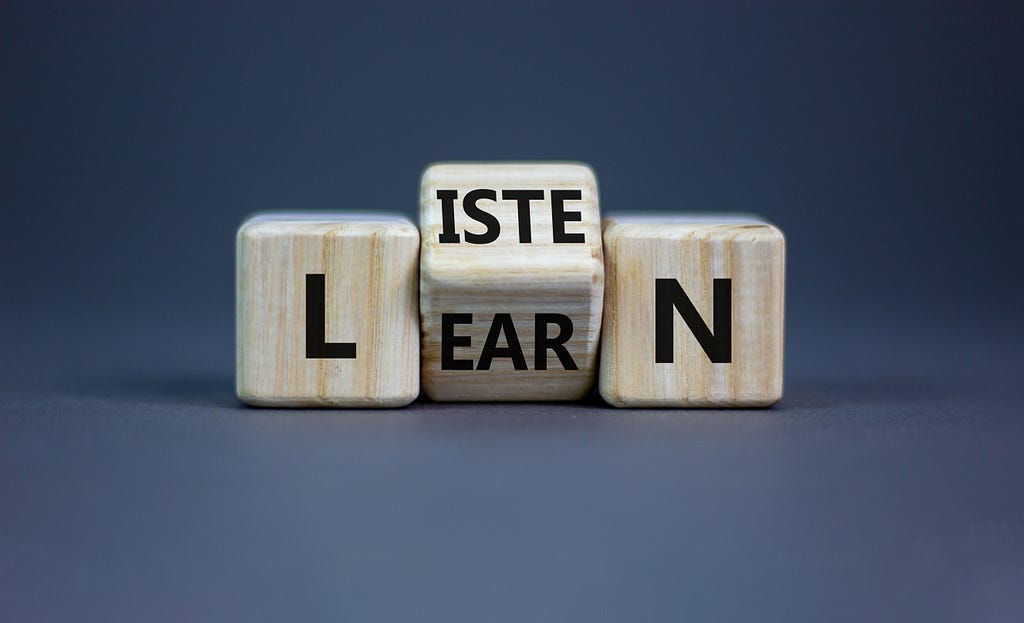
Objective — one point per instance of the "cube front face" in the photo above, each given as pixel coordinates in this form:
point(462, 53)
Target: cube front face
point(327, 311)
point(511, 281)
point(711, 291)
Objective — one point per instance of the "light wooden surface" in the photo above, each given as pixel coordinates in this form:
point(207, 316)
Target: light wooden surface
point(370, 265)
point(694, 250)
point(509, 276)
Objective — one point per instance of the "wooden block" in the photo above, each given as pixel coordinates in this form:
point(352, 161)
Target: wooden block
point(693, 311)
point(511, 281)
point(327, 311)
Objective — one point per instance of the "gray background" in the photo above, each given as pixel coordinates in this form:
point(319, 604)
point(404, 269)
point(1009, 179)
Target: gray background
point(886, 140)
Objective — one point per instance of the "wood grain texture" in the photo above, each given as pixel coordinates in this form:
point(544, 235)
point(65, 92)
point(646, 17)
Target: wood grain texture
point(694, 250)
point(370, 266)
point(508, 276)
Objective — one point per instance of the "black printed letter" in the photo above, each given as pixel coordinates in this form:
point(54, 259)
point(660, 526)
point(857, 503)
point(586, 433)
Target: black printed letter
point(523, 199)
point(479, 215)
point(543, 342)
point(502, 324)
point(317, 346)
point(668, 294)
point(449, 341)
point(448, 198)
point(559, 216)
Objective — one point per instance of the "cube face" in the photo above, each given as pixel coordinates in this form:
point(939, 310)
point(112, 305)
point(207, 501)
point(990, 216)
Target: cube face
point(309, 287)
point(525, 272)
point(731, 269)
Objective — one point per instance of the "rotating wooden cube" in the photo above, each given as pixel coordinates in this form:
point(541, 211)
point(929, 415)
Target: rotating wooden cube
point(511, 281)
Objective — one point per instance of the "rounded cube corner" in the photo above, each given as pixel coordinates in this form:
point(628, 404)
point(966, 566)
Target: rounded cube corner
point(251, 398)
point(587, 171)
point(611, 394)
point(431, 172)
point(769, 232)
point(430, 390)
point(772, 398)
point(405, 229)
point(399, 400)
point(247, 227)
point(258, 225)
point(611, 231)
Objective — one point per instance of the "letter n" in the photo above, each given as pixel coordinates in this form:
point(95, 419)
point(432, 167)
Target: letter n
point(668, 297)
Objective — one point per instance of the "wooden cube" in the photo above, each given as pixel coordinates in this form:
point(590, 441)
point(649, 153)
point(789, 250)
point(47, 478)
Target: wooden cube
point(511, 281)
point(693, 311)
point(327, 311)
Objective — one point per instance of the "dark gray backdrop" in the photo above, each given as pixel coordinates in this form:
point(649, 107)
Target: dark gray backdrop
point(886, 140)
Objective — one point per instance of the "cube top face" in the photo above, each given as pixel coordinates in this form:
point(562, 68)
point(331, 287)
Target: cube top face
point(723, 230)
point(521, 240)
point(694, 311)
point(364, 270)
point(278, 224)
